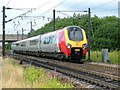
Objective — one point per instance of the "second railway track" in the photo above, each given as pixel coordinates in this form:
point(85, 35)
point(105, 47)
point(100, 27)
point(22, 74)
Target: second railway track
point(79, 71)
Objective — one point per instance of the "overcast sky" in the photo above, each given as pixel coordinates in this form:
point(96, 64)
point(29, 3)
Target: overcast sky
point(44, 8)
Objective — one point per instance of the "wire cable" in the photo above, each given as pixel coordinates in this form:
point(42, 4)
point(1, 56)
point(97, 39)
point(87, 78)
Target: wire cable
point(53, 7)
point(64, 14)
point(78, 4)
point(21, 8)
point(8, 3)
point(43, 5)
point(19, 16)
point(33, 16)
point(59, 3)
point(101, 5)
point(31, 10)
point(115, 9)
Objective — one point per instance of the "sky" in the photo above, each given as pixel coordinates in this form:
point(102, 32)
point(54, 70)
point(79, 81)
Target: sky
point(41, 12)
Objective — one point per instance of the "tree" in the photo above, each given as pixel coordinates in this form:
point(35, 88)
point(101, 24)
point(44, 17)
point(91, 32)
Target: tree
point(104, 31)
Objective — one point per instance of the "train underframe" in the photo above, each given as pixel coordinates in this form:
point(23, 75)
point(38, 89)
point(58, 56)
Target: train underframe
point(76, 55)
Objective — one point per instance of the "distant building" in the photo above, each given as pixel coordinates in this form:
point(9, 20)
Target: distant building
point(12, 38)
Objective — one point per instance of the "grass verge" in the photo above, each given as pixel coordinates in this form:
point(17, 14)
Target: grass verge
point(15, 76)
point(96, 56)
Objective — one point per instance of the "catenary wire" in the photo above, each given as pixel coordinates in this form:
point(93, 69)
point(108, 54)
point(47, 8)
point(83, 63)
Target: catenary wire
point(8, 3)
point(76, 5)
point(101, 5)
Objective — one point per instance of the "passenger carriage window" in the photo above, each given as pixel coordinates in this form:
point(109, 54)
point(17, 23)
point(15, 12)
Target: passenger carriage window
point(45, 40)
point(49, 40)
point(13, 44)
point(17, 44)
point(33, 42)
point(23, 44)
point(40, 41)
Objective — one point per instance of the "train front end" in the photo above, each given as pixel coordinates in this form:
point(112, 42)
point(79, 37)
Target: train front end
point(76, 43)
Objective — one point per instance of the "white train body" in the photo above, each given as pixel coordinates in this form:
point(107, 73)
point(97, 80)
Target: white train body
point(49, 42)
point(41, 43)
point(33, 44)
point(68, 42)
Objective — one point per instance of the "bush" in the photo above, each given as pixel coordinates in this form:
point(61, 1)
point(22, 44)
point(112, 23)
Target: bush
point(31, 74)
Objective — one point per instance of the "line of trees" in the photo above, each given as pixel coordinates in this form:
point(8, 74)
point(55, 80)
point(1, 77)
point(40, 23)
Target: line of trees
point(104, 31)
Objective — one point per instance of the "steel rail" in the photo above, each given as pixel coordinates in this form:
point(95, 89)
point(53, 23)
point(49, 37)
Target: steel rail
point(96, 79)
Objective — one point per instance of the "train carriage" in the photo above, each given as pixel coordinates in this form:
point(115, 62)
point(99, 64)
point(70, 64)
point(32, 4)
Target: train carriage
point(33, 45)
point(49, 42)
point(69, 42)
point(15, 46)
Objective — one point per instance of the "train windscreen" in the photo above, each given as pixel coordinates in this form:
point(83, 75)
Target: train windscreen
point(75, 33)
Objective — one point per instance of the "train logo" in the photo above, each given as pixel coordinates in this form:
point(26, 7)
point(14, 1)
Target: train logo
point(76, 43)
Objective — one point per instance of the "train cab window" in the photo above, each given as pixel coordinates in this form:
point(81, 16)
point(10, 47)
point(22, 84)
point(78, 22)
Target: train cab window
point(75, 33)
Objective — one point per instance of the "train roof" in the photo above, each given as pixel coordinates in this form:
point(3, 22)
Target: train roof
point(34, 37)
point(73, 26)
point(27, 39)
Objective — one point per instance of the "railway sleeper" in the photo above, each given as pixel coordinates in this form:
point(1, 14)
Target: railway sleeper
point(81, 76)
point(102, 75)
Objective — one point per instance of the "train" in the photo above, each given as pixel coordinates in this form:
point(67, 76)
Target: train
point(68, 43)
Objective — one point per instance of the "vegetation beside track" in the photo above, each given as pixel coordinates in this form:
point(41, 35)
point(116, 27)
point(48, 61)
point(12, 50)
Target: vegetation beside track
point(96, 56)
point(15, 76)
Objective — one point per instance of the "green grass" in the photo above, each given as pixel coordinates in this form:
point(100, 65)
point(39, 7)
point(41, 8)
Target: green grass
point(38, 78)
point(15, 76)
point(96, 56)
point(31, 74)
point(114, 57)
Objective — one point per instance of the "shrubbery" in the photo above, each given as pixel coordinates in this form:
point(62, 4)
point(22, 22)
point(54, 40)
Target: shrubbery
point(38, 78)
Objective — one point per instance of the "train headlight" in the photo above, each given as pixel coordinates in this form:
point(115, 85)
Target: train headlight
point(84, 45)
point(69, 45)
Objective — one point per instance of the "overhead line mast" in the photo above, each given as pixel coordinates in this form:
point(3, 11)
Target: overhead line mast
point(89, 34)
point(54, 20)
point(3, 41)
point(3, 36)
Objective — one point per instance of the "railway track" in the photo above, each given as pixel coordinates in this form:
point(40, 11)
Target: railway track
point(100, 70)
point(105, 68)
point(79, 71)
